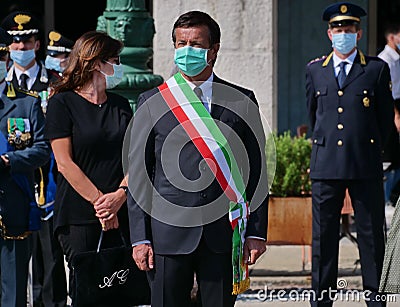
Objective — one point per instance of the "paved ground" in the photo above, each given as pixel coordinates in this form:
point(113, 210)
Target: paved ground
point(280, 268)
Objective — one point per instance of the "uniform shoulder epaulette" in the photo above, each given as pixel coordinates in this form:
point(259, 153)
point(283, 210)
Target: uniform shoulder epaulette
point(317, 59)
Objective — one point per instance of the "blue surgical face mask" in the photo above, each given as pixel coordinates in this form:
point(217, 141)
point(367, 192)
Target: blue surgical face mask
point(22, 57)
point(114, 79)
point(191, 61)
point(3, 70)
point(344, 42)
point(53, 63)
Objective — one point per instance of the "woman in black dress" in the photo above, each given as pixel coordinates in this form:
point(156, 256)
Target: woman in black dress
point(86, 125)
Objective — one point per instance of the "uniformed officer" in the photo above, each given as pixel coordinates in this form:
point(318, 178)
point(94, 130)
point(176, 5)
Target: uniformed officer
point(58, 50)
point(29, 75)
point(351, 111)
point(23, 149)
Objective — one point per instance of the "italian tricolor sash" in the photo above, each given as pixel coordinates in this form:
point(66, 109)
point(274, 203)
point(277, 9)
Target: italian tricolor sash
point(214, 148)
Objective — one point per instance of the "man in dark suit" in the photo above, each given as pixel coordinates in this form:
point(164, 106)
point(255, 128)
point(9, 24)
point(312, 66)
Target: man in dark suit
point(23, 149)
point(351, 112)
point(178, 213)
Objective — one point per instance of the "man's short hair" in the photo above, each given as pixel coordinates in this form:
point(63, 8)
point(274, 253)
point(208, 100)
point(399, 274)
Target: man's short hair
point(197, 18)
point(392, 28)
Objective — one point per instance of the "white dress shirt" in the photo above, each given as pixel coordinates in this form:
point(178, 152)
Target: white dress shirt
point(390, 56)
point(31, 73)
point(350, 60)
point(206, 88)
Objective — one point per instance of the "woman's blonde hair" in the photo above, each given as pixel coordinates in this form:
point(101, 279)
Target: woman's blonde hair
point(91, 47)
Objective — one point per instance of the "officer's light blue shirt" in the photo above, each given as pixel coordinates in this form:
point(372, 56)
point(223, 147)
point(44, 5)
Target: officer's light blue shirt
point(350, 60)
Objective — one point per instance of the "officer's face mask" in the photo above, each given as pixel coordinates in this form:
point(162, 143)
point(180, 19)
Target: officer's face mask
point(3, 70)
point(191, 61)
point(114, 79)
point(22, 57)
point(53, 63)
point(344, 42)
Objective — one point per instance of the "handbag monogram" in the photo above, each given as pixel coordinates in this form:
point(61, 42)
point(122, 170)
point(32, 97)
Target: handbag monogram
point(109, 277)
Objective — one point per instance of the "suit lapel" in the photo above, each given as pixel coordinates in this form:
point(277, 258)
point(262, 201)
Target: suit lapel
point(330, 73)
point(218, 102)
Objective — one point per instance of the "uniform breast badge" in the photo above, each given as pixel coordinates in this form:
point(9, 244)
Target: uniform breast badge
point(366, 102)
point(19, 132)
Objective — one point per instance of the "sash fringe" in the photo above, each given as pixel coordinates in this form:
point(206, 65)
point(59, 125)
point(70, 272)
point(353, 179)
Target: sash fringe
point(242, 286)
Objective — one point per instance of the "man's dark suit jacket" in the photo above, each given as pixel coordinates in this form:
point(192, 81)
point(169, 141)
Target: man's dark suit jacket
point(14, 203)
point(236, 112)
point(350, 125)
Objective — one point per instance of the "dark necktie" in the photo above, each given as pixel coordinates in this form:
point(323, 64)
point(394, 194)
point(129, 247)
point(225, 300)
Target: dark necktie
point(23, 84)
point(199, 93)
point(342, 74)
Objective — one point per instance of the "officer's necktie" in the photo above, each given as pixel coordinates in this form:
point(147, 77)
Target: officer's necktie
point(197, 90)
point(23, 84)
point(342, 73)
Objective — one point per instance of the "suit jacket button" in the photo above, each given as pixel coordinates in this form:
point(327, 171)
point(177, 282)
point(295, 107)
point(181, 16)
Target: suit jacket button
point(2, 192)
point(340, 143)
point(340, 93)
point(340, 126)
point(340, 110)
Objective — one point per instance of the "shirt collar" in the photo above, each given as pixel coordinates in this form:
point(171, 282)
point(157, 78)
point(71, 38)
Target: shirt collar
point(392, 53)
point(31, 72)
point(205, 86)
point(350, 59)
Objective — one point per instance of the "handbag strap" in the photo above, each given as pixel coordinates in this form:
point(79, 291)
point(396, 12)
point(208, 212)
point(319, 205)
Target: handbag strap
point(101, 239)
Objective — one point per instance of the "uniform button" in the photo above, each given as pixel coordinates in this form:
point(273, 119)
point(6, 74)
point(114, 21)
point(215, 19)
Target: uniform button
point(2, 192)
point(204, 195)
point(365, 92)
point(203, 168)
point(340, 143)
point(340, 110)
point(340, 126)
point(340, 93)
point(315, 141)
point(318, 93)
point(372, 141)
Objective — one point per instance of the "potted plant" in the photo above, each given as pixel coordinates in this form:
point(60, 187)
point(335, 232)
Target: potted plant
point(290, 211)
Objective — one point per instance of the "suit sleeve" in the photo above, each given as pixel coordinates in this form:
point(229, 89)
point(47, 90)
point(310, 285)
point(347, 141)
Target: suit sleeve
point(310, 95)
point(257, 186)
point(38, 154)
point(141, 168)
point(384, 104)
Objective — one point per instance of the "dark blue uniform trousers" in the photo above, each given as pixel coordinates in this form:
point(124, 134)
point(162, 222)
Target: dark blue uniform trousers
point(14, 262)
point(368, 203)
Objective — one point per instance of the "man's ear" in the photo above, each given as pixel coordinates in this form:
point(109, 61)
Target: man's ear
point(329, 32)
point(359, 34)
point(215, 49)
point(37, 45)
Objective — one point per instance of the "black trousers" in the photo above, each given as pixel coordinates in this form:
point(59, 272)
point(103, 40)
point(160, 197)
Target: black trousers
point(49, 280)
point(171, 280)
point(368, 203)
point(75, 239)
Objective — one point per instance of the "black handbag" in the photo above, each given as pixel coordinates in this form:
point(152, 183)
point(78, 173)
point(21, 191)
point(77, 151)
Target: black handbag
point(109, 277)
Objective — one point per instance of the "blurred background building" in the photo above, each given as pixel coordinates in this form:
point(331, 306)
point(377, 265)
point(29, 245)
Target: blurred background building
point(265, 43)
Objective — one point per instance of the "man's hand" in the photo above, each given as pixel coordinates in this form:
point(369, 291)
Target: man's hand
point(397, 119)
point(143, 256)
point(253, 248)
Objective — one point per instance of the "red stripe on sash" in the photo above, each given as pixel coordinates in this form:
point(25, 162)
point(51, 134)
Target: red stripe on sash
point(197, 140)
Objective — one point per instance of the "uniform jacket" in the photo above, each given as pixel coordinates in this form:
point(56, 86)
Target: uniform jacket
point(350, 125)
point(147, 139)
point(14, 203)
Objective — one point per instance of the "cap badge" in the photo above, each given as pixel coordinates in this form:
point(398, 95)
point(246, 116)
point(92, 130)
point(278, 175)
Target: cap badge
point(343, 9)
point(54, 37)
point(21, 19)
